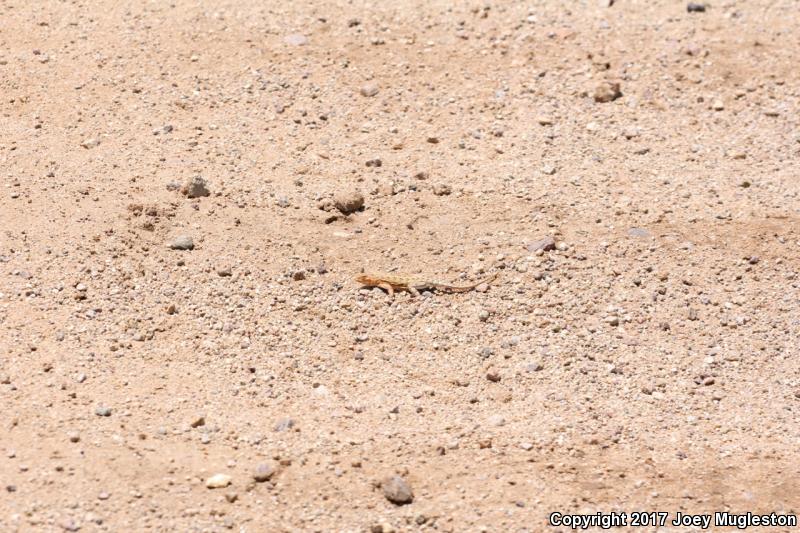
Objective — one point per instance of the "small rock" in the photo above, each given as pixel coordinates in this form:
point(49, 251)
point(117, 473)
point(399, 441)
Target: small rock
point(296, 39)
point(198, 421)
point(693, 7)
point(196, 187)
point(638, 232)
point(631, 132)
point(68, 524)
point(102, 411)
point(74, 436)
point(90, 143)
point(218, 481)
point(442, 190)
point(534, 367)
point(546, 244)
point(607, 91)
point(263, 472)
point(369, 89)
point(225, 272)
point(182, 242)
point(497, 420)
point(386, 188)
point(396, 490)
point(545, 120)
point(548, 170)
point(493, 376)
point(284, 424)
point(718, 105)
point(348, 201)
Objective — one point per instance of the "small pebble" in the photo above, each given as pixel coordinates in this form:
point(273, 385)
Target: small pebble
point(102, 411)
point(607, 91)
point(545, 244)
point(218, 481)
point(497, 420)
point(195, 188)
point(369, 89)
point(396, 490)
point(442, 189)
point(348, 201)
point(284, 424)
point(68, 524)
point(296, 39)
point(182, 242)
point(263, 472)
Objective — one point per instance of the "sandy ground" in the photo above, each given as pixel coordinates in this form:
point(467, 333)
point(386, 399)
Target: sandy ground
point(638, 349)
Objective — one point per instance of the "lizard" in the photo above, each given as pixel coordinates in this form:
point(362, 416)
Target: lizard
point(398, 282)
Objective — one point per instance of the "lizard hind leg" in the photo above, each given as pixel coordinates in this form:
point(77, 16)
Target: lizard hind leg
point(388, 288)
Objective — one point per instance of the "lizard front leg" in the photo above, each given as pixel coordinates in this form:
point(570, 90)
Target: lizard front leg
point(388, 288)
point(413, 290)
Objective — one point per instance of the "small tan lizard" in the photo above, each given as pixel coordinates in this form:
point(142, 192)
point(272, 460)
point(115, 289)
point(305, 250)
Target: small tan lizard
point(396, 282)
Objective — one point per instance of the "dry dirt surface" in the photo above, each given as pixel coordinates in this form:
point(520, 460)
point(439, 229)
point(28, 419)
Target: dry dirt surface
point(188, 189)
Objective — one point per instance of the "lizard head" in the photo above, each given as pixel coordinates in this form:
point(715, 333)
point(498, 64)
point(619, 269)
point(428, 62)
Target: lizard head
point(363, 279)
